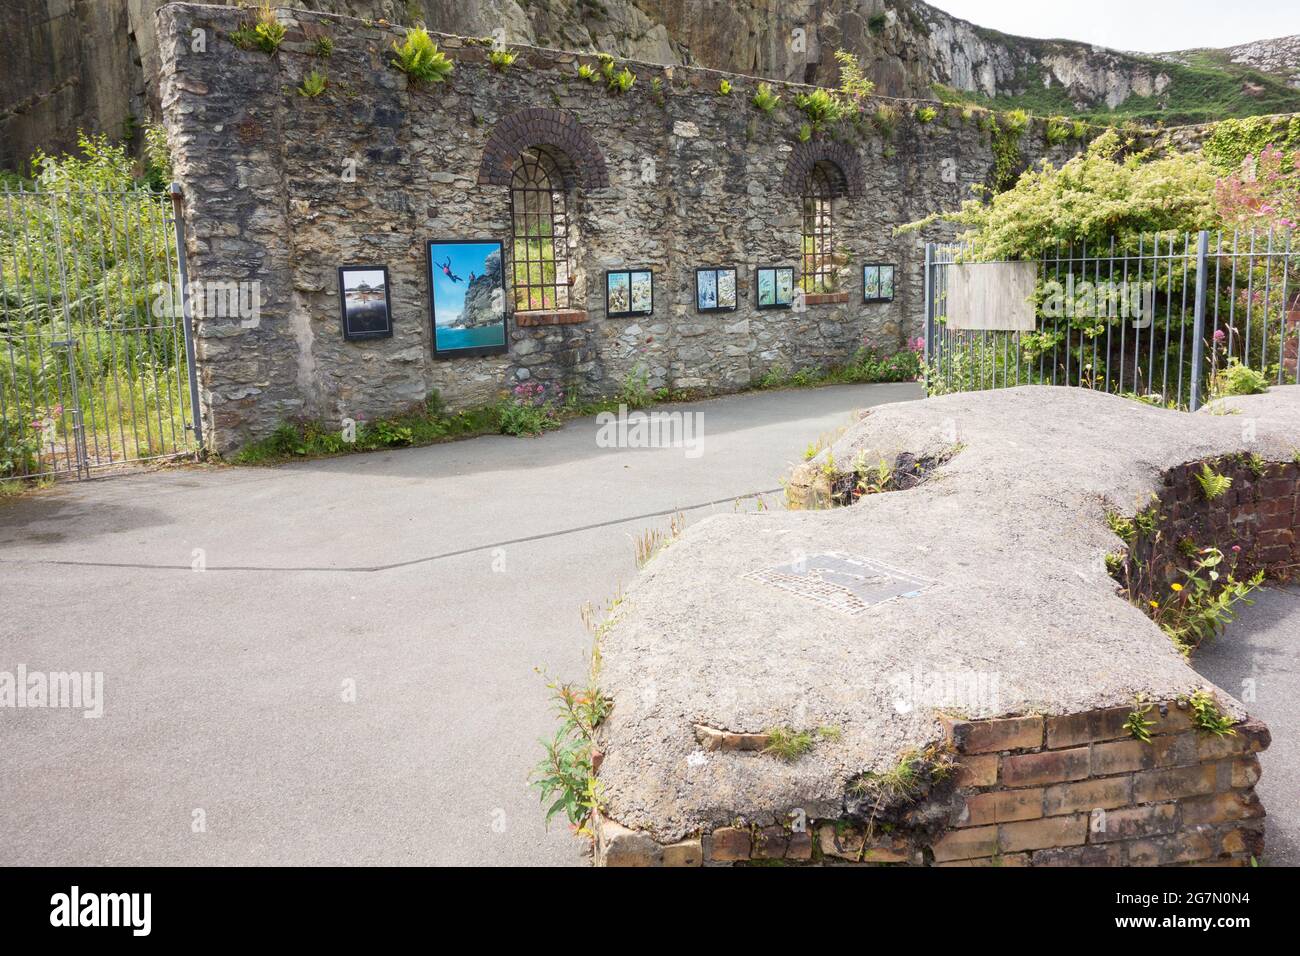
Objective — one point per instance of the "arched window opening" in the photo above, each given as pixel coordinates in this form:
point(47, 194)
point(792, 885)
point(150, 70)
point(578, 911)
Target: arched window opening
point(819, 272)
point(540, 247)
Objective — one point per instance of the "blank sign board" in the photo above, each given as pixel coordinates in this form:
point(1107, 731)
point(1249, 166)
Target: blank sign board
point(991, 295)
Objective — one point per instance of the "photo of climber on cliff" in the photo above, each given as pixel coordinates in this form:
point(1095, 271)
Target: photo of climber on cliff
point(467, 297)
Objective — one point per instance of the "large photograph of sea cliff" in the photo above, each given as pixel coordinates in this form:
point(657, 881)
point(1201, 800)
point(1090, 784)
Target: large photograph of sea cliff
point(468, 297)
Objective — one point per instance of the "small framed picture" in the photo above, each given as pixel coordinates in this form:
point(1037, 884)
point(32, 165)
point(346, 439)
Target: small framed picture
point(467, 297)
point(363, 302)
point(877, 282)
point(775, 287)
point(629, 292)
point(715, 289)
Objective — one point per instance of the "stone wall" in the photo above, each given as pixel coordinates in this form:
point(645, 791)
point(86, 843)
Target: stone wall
point(1072, 790)
point(689, 177)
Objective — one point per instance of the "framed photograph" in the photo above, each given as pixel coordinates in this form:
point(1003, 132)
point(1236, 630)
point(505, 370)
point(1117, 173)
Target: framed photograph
point(629, 292)
point(877, 282)
point(775, 287)
point(467, 297)
point(715, 289)
point(363, 302)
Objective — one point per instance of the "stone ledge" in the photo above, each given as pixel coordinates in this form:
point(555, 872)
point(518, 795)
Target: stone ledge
point(549, 317)
point(825, 298)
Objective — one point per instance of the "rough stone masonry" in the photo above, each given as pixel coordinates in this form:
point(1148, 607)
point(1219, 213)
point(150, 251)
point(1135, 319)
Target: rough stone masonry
point(970, 618)
point(281, 189)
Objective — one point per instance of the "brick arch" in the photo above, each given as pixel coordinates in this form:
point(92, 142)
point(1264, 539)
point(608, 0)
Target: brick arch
point(580, 159)
point(840, 161)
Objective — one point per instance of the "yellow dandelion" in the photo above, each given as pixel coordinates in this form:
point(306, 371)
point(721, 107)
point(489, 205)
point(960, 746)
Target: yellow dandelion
point(1155, 603)
point(1176, 586)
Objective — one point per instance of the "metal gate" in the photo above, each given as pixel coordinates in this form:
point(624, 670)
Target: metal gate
point(1172, 319)
point(96, 349)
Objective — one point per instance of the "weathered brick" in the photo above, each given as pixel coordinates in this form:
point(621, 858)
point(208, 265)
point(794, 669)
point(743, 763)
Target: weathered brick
point(685, 853)
point(1134, 822)
point(748, 742)
point(977, 771)
point(1002, 859)
point(617, 845)
point(1051, 766)
point(1169, 718)
point(1221, 807)
point(728, 845)
point(1087, 795)
point(1123, 756)
point(1154, 786)
point(1184, 847)
point(1245, 772)
point(1092, 725)
point(1088, 855)
point(800, 846)
point(966, 844)
point(886, 849)
point(844, 842)
point(770, 843)
point(1001, 806)
point(1247, 839)
point(1039, 834)
point(990, 736)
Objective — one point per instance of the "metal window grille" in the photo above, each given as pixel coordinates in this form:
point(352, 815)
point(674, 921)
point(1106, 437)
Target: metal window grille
point(818, 272)
point(540, 247)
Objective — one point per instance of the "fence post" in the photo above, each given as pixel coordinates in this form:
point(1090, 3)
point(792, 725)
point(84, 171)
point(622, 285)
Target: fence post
point(187, 318)
point(1198, 317)
point(929, 303)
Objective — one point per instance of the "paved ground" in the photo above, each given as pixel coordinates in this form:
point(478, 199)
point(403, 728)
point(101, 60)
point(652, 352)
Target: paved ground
point(433, 580)
point(1259, 657)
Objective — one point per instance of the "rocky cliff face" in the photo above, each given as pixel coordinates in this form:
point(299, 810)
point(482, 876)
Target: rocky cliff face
point(484, 300)
point(93, 63)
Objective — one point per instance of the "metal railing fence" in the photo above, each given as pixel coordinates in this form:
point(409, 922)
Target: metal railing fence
point(1173, 319)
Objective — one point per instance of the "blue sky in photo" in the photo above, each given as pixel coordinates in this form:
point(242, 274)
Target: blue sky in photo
point(465, 258)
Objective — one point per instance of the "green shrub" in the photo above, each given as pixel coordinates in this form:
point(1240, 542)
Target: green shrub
point(764, 99)
point(419, 58)
point(821, 107)
point(1237, 379)
point(501, 60)
point(266, 33)
point(926, 114)
point(313, 84)
point(621, 81)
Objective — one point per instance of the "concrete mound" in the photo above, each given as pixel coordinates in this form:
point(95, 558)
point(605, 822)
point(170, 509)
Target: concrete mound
point(965, 630)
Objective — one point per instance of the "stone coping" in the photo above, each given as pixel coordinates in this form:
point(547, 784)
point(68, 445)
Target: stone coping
point(997, 564)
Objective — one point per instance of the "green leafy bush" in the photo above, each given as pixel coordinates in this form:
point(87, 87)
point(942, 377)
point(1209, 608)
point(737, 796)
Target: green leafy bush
point(1108, 190)
point(265, 33)
point(530, 409)
point(764, 99)
point(313, 84)
point(1237, 379)
point(419, 58)
point(926, 114)
point(1197, 609)
point(501, 60)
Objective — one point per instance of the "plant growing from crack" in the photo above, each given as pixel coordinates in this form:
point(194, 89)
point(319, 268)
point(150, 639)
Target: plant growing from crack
point(313, 84)
point(764, 99)
point(1207, 718)
point(501, 59)
point(1197, 610)
point(420, 59)
point(264, 33)
point(789, 744)
point(566, 775)
point(1137, 724)
point(1213, 485)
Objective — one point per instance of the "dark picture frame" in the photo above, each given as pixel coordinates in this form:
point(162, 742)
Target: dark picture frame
point(776, 278)
point(710, 282)
point(461, 274)
point(360, 314)
point(875, 286)
point(629, 292)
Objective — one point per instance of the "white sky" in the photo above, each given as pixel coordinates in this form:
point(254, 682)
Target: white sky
point(1150, 26)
